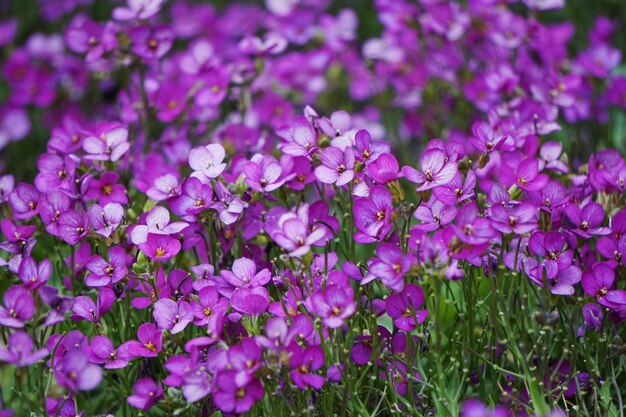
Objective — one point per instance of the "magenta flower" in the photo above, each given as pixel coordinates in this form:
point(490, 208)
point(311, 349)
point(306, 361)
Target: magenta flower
point(75, 372)
point(457, 190)
point(228, 206)
point(301, 138)
point(138, 9)
point(106, 189)
point(166, 186)
point(391, 265)
point(372, 215)
point(55, 172)
point(333, 304)
point(244, 274)
point(434, 215)
point(160, 248)
point(337, 166)
point(32, 275)
point(294, 236)
point(73, 226)
point(598, 283)
point(50, 209)
point(436, 170)
point(475, 408)
point(84, 307)
point(19, 237)
point(150, 342)
point(263, 174)
point(195, 198)
point(518, 219)
point(550, 153)
point(18, 307)
point(104, 273)
point(20, 351)
point(304, 363)
point(7, 183)
point(384, 169)
point(470, 228)
point(207, 162)
point(586, 221)
point(551, 247)
point(107, 142)
point(209, 309)
point(250, 301)
point(172, 316)
point(563, 283)
point(486, 140)
point(368, 150)
point(102, 351)
point(151, 43)
point(104, 220)
point(236, 394)
point(146, 393)
point(157, 223)
point(24, 201)
point(527, 177)
point(403, 308)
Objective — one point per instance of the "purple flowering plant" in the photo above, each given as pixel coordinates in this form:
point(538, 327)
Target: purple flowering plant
point(297, 207)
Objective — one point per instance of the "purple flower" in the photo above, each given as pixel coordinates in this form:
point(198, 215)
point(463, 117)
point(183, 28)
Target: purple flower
point(434, 215)
point(149, 344)
point(104, 273)
point(75, 372)
point(470, 228)
point(403, 308)
point(301, 138)
point(107, 142)
point(160, 248)
point(195, 198)
point(550, 153)
point(384, 169)
point(146, 393)
point(19, 238)
point(475, 408)
point(519, 219)
point(486, 140)
point(304, 363)
point(236, 394)
point(18, 307)
point(20, 351)
point(263, 174)
point(586, 221)
point(151, 43)
point(391, 265)
point(102, 351)
point(527, 177)
point(104, 220)
point(564, 282)
point(55, 172)
point(228, 206)
point(337, 166)
point(598, 283)
point(73, 226)
point(172, 316)
point(294, 236)
point(333, 304)
point(84, 307)
point(209, 310)
point(207, 162)
point(32, 275)
point(369, 151)
point(24, 201)
point(372, 215)
point(244, 274)
point(157, 223)
point(250, 301)
point(272, 44)
point(166, 186)
point(7, 182)
point(551, 247)
point(436, 170)
point(106, 189)
point(138, 9)
point(50, 209)
point(457, 191)
point(593, 316)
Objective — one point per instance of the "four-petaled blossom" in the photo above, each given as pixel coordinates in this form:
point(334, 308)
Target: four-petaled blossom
point(107, 142)
point(207, 161)
point(20, 351)
point(391, 265)
point(337, 166)
point(436, 170)
point(172, 316)
point(334, 304)
point(146, 393)
point(403, 307)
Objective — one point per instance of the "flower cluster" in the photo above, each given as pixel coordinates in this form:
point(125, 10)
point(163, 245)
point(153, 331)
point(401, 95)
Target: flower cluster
point(203, 232)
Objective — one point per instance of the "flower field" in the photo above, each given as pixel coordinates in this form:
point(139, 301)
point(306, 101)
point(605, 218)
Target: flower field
point(290, 208)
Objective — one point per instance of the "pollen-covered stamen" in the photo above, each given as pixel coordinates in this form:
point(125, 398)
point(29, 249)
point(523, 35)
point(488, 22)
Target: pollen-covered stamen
point(584, 225)
point(159, 252)
point(380, 215)
point(429, 175)
point(341, 169)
